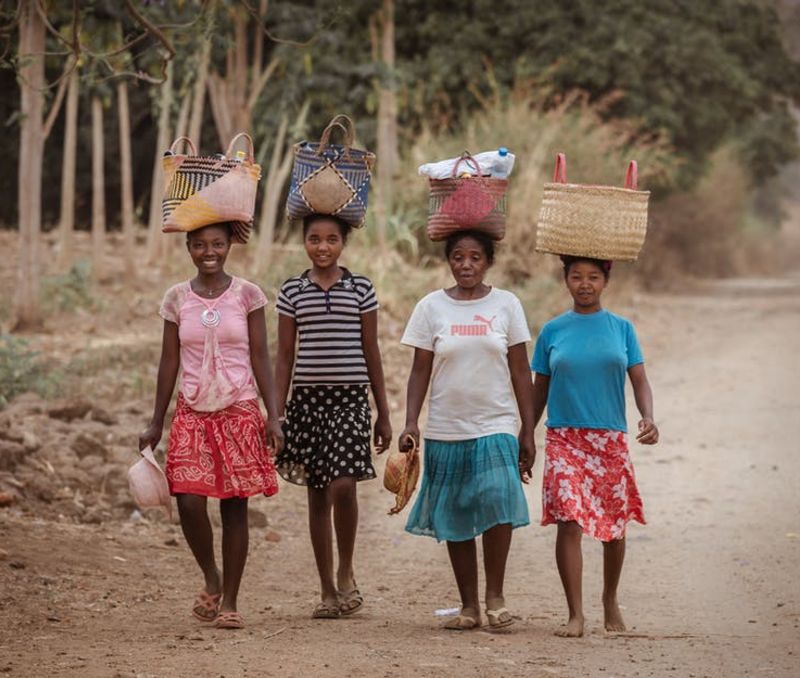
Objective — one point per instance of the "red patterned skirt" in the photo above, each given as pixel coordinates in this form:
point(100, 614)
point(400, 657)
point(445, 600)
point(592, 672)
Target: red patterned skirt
point(588, 478)
point(220, 454)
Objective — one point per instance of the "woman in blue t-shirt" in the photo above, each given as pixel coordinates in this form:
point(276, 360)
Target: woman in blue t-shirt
point(580, 360)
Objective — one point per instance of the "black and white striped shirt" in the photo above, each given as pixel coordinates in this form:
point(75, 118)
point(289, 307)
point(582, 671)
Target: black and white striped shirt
point(328, 327)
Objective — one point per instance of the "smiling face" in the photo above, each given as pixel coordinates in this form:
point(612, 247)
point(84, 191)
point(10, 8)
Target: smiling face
point(585, 282)
point(468, 262)
point(209, 248)
point(324, 242)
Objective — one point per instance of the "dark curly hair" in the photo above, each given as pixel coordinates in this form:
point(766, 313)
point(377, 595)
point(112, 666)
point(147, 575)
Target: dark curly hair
point(344, 227)
point(224, 225)
point(487, 243)
point(603, 264)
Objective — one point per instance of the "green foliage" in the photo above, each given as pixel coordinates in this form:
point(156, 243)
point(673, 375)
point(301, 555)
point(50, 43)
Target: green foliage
point(69, 291)
point(22, 370)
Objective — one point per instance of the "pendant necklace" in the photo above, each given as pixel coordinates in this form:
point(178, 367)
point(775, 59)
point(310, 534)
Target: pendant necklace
point(211, 317)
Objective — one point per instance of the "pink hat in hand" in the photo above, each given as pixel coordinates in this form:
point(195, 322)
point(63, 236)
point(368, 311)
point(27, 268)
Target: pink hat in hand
point(148, 484)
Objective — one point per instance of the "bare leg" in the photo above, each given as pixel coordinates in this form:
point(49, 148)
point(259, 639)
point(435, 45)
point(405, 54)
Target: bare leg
point(235, 540)
point(345, 522)
point(496, 543)
point(613, 557)
point(570, 567)
point(197, 530)
point(464, 560)
point(319, 525)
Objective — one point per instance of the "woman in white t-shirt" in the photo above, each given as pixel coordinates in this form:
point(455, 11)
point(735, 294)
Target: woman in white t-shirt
point(469, 346)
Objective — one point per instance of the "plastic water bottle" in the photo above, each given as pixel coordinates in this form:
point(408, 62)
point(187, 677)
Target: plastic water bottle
point(502, 164)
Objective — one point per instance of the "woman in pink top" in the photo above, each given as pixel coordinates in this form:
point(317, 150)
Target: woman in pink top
point(215, 333)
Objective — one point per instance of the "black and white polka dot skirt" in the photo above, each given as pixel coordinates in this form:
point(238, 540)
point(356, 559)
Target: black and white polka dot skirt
point(327, 435)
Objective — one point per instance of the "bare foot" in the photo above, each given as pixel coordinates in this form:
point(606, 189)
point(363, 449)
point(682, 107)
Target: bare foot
point(613, 617)
point(573, 629)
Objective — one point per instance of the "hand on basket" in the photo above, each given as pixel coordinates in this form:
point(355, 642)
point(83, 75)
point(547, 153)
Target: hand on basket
point(409, 438)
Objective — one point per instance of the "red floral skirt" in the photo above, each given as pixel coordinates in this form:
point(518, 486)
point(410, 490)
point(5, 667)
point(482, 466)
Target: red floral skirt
point(220, 454)
point(588, 478)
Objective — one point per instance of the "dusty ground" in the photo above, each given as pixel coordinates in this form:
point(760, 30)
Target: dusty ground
point(709, 588)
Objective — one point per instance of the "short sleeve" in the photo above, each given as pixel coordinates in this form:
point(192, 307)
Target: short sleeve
point(418, 330)
point(540, 363)
point(632, 347)
point(518, 332)
point(367, 299)
point(285, 305)
point(253, 297)
point(171, 303)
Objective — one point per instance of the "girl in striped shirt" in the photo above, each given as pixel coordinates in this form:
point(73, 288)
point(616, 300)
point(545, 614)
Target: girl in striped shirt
point(333, 315)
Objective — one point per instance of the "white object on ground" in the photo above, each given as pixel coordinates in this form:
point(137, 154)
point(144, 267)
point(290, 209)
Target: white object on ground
point(447, 612)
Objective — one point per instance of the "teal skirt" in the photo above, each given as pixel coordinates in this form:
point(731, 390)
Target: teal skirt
point(469, 486)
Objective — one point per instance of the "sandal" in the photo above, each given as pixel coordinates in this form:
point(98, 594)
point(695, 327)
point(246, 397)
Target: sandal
point(325, 611)
point(229, 620)
point(206, 606)
point(462, 622)
point(350, 602)
point(500, 618)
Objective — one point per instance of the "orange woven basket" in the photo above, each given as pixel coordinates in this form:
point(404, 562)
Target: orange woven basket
point(400, 475)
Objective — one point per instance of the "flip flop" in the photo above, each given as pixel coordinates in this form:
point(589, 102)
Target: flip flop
point(499, 619)
point(229, 620)
point(206, 603)
point(325, 611)
point(351, 602)
point(462, 622)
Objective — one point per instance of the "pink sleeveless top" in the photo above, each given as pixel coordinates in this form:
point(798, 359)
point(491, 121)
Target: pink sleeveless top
point(215, 346)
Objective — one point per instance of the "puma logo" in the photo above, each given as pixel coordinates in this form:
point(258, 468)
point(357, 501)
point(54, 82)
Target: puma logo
point(480, 329)
point(489, 322)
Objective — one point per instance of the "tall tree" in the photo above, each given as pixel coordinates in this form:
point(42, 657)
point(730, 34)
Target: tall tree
point(31, 80)
point(234, 95)
point(66, 221)
point(383, 51)
point(126, 177)
point(154, 239)
point(98, 189)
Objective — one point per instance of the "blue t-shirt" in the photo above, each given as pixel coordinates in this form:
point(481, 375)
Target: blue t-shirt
point(587, 357)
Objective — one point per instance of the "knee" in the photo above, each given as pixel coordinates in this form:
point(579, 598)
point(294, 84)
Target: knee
point(343, 492)
point(233, 513)
point(571, 530)
point(191, 505)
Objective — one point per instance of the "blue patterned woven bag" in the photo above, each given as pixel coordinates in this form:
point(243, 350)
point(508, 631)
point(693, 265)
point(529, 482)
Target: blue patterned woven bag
point(331, 178)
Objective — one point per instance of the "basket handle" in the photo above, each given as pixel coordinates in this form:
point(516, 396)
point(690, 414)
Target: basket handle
point(632, 176)
point(345, 124)
point(250, 147)
point(189, 143)
point(560, 173)
point(467, 158)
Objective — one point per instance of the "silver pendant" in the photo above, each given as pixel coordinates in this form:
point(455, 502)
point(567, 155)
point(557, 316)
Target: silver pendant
point(210, 317)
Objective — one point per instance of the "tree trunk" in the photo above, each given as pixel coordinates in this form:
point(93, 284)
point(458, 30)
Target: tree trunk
point(234, 96)
point(98, 190)
point(66, 222)
point(279, 168)
point(128, 222)
point(154, 238)
point(199, 95)
point(174, 245)
point(387, 123)
point(31, 78)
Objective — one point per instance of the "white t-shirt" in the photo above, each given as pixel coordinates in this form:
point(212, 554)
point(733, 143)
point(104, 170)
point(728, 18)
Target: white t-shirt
point(471, 394)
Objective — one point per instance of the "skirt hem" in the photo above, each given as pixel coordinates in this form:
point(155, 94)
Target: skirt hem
point(425, 532)
point(553, 520)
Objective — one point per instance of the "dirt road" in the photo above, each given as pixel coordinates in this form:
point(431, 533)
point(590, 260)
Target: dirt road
point(710, 586)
